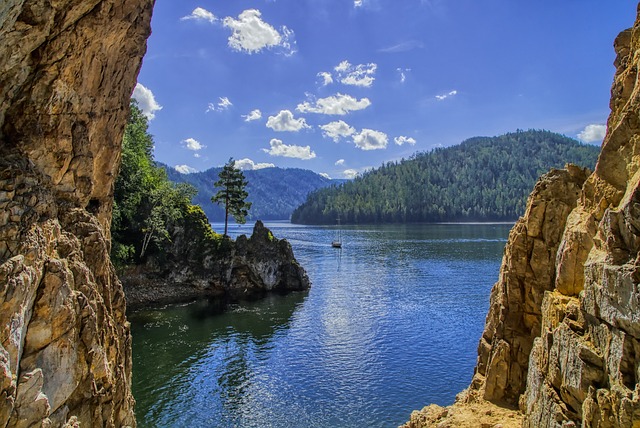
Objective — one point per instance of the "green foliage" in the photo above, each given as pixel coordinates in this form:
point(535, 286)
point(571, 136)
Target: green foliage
point(232, 194)
point(482, 179)
point(146, 203)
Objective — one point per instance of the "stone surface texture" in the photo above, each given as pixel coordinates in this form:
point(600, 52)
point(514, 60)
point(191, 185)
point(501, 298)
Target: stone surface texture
point(245, 268)
point(562, 337)
point(67, 70)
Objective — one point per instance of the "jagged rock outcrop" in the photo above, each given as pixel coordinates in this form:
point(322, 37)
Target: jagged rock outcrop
point(67, 70)
point(244, 268)
point(562, 337)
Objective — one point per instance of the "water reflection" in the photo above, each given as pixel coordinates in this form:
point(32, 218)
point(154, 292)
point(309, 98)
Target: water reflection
point(391, 323)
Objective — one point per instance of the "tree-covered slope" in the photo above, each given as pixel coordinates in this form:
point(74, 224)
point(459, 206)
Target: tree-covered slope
point(273, 192)
point(482, 179)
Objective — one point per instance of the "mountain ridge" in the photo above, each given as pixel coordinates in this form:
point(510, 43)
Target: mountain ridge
point(274, 192)
point(480, 179)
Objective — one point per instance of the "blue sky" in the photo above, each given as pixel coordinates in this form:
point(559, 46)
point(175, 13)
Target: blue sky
point(339, 86)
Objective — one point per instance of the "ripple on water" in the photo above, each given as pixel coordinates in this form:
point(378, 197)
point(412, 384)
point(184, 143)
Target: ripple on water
point(391, 323)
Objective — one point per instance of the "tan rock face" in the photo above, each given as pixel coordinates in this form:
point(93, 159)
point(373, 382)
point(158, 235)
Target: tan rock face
point(562, 337)
point(67, 69)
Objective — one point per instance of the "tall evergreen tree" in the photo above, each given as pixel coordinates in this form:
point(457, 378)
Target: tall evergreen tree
point(232, 194)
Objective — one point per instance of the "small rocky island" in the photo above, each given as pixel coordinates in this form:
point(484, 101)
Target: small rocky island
point(246, 268)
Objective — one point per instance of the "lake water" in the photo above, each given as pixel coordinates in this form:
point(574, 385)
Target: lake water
point(391, 324)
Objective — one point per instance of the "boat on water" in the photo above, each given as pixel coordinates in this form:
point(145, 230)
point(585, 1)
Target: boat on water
point(337, 243)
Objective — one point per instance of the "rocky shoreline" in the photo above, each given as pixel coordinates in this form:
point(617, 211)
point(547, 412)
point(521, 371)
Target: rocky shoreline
point(250, 268)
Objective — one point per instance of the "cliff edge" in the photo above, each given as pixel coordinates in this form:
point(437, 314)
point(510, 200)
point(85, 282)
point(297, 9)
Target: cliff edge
point(562, 338)
point(67, 70)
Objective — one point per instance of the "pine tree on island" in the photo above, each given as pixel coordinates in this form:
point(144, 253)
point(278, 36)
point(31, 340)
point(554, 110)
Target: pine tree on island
point(232, 194)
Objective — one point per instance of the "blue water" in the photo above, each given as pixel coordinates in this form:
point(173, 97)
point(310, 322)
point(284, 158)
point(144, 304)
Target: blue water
point(391, 323)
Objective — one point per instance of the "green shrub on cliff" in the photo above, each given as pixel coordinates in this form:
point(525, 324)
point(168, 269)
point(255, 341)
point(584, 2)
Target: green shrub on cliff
point(148, 208)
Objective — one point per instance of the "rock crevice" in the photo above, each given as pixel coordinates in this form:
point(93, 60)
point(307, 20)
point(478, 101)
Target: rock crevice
point(561, 340)
point(67, 70)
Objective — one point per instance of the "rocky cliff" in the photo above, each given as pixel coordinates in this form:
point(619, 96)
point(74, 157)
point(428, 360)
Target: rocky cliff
point(67, 70)
point(195, 267)
point(562, 337)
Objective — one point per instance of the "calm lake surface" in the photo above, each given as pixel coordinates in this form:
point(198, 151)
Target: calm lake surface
point(391, 324)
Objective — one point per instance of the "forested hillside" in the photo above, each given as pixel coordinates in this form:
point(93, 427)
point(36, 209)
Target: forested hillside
point(273, 192)
point(482, 179)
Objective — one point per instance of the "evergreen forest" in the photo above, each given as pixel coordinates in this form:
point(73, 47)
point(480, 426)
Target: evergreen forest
point(273, 192)
point(148, 207)
point(481, 179)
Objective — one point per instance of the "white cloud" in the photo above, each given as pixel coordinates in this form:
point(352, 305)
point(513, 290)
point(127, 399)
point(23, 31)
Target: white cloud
point(185, 169)
point(278, 148)
point(192, 144)
point(254, 115)
point(146, 101)
point(338, 104)
point(356, 75)
point(369, 139)
point(251, 34)
point(336, 130)
point(327, 78)
point(402, 140)
point(284, 122)
point(196, 155)
point(222, 105)
point(247, 164)
point(200, 14)
point(447, 95)
point(325, 175)
point(357, 3)
point(593, 133)
point(403, 47)
point(339, 162)
point(350, 173)
point(403, 71)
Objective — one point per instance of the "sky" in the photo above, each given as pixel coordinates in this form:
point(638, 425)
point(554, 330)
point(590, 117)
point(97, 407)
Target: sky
point(342, 86)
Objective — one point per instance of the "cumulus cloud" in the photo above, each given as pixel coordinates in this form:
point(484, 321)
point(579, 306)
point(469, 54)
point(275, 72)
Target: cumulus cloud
point(357, 3)
point(368, 139)
point(185, 169)
point(146, 101)
point(338, 104)
point(223, 104)
point(339, 162)
point(325, 175)
point(350, 173)
point(593, 133)
point(192, 144)
point(447, 95)
point(336, 130)
point(285, 122)
point(327, 78)
point(247, 164)
point(356, 75)
point(251, 34)
point(200, 14)
point(278, 148)
point(404, 140)
point(253, 115)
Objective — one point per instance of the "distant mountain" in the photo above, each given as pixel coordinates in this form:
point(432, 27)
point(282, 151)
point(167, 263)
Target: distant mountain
point(482, 179)
point(274, 192)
